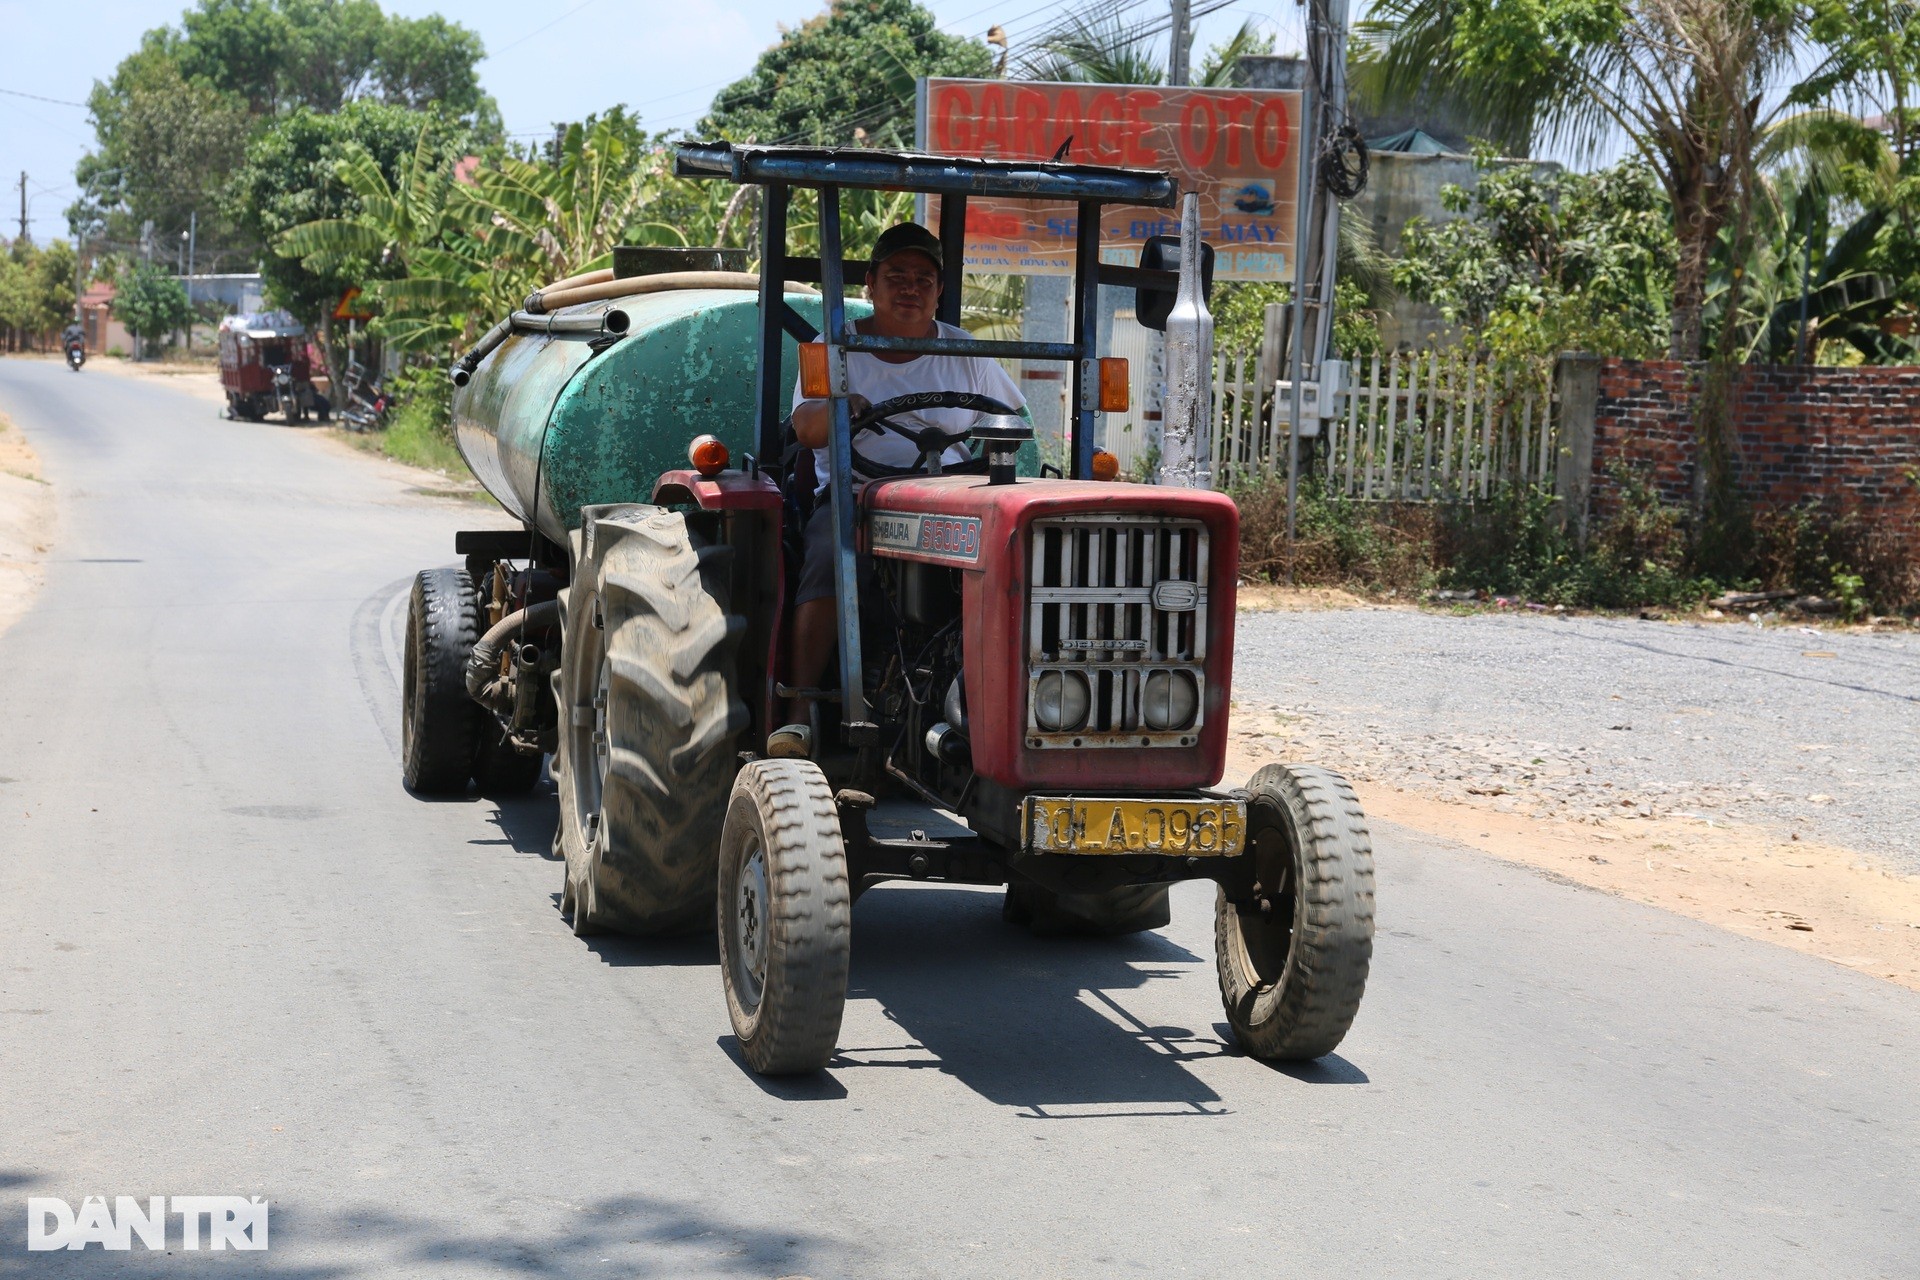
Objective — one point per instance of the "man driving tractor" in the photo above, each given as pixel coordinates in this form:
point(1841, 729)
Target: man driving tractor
point(903, 284)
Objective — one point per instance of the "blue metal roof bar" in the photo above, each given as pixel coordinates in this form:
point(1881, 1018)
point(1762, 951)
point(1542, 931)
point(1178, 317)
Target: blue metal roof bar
point(912, 171)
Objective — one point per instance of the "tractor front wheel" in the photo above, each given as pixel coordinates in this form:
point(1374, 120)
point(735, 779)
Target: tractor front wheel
point(784, 916)
point(1293, 956)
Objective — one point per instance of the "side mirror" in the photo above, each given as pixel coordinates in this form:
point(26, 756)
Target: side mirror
point(1151, 307)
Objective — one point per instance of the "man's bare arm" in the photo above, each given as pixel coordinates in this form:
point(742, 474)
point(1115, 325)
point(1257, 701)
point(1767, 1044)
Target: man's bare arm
point(812, 419)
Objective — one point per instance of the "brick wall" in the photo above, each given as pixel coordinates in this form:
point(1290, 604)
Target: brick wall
point(1848, 435)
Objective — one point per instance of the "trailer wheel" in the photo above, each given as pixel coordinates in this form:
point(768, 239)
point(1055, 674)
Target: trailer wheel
point(437, 725)
point(1130, 909)
point(649, 717)
point(1293, 958)
point(784, 916)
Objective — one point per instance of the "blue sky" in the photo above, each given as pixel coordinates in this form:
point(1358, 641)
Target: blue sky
point(555, 60)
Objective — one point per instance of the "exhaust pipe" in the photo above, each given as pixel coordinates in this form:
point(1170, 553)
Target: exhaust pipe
point(485, 684)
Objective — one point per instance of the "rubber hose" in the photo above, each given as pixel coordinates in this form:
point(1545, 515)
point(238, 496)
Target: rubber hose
point(485, 684)
point(463, 367)
point(534, 303)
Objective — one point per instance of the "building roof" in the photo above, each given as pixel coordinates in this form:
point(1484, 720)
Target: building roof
point(100, 293)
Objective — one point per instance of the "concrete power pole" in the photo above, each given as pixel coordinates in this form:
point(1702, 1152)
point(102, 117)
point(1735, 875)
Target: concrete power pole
point(23, 206)
point(1179, 44)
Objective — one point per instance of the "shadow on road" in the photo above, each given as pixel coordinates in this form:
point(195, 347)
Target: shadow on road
point(1044, 1025)
point(644, 1235)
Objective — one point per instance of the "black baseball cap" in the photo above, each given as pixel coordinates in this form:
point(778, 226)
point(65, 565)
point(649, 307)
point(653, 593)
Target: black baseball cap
point(907, 235)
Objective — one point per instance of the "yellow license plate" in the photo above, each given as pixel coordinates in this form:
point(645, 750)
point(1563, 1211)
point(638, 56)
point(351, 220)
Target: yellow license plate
point(1183, 828)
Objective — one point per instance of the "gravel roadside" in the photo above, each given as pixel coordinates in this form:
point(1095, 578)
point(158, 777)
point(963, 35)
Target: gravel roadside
point(1807, 733)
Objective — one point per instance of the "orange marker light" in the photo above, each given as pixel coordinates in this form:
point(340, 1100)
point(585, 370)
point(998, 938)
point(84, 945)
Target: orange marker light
point(815, 381)
point(708, 456)
point(1105, 465)
point(1115, 393)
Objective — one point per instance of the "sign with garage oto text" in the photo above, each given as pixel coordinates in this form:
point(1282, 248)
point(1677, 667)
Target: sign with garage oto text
point(1238, 148)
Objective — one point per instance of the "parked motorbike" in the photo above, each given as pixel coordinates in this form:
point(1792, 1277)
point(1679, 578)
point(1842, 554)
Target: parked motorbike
point(367, 403)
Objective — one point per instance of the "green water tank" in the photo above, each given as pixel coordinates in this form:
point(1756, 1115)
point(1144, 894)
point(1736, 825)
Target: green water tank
point(551, 423)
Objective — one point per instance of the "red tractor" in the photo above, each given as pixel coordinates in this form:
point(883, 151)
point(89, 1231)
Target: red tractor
point(1033, 686)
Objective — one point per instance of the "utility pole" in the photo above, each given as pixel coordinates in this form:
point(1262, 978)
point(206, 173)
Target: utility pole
point(1179, 44)
point(193, 234)
point(23, 206)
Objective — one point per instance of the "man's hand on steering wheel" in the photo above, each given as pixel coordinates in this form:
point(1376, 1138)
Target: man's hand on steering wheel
point(929, 439)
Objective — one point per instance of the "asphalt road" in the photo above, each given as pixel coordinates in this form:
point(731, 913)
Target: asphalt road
point(237, 958)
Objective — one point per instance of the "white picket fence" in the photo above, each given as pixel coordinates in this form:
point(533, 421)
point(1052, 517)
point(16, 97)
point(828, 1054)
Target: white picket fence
point(1426, 426)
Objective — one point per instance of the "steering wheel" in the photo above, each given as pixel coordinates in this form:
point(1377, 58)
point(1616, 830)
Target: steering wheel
point(932, 441)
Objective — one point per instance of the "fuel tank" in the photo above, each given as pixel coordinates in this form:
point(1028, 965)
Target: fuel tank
point(551, 423)
point(1098, 622)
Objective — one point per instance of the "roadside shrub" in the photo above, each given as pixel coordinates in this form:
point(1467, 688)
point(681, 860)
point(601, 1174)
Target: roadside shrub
point(1340, 542)
point(1822, 548)
point(420, 430)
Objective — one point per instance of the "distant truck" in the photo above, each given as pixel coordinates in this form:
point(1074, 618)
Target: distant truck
point(1035, 696)
point(264, 368)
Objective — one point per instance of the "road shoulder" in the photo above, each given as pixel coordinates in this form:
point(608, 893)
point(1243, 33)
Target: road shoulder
point(1841, 905)
point(26, 523)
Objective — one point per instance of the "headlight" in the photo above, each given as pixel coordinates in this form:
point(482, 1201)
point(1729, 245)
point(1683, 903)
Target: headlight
point(1169, 700)
point(1060, 701)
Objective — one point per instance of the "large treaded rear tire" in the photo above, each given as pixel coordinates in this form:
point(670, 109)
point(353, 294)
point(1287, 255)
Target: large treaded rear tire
point(1292, 976)
point(437, 728)
point(785, 916)
point(649, 717)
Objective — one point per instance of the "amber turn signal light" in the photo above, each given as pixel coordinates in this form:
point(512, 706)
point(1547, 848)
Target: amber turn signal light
point(708, 456)
point(815, 382)
point(1105, 465)
point(1114, 392)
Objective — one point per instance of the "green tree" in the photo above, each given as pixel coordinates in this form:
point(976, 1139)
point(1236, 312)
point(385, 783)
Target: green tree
point(1692, 84)
point(292, 176)
point(843, 76)
point(1538, 263)
point(176, 118)
point(322, 54)
point(166, 144)
point(151, 303)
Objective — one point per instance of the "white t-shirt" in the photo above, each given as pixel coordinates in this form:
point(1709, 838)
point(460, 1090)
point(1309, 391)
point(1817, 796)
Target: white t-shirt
point(870, 376)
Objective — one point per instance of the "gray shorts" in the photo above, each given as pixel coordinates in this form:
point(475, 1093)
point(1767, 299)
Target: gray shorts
point(816, 566)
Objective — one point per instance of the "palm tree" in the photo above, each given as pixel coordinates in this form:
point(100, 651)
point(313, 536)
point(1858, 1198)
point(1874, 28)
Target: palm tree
point(1693, 85)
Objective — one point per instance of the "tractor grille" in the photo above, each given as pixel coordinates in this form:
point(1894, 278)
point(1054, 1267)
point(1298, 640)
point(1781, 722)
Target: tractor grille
point(1118, 622)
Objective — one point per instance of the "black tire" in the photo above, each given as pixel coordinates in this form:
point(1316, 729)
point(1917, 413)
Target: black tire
point(1292, 973)
point(1130, 909)
point(438, 732)
point(785, 916)
point(499, 769)
point(650, 718)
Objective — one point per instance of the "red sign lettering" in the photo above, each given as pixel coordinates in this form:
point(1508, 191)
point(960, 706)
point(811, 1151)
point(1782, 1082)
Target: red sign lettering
point(1235, 147)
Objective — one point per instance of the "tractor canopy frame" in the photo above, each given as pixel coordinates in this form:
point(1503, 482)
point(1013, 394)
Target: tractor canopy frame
point(778, 170)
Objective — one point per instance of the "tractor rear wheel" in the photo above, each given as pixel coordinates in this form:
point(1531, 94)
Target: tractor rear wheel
point(649, 718)
point(1293, 958)
point(784, 916)
point(1131, 909)
point(437, 726)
